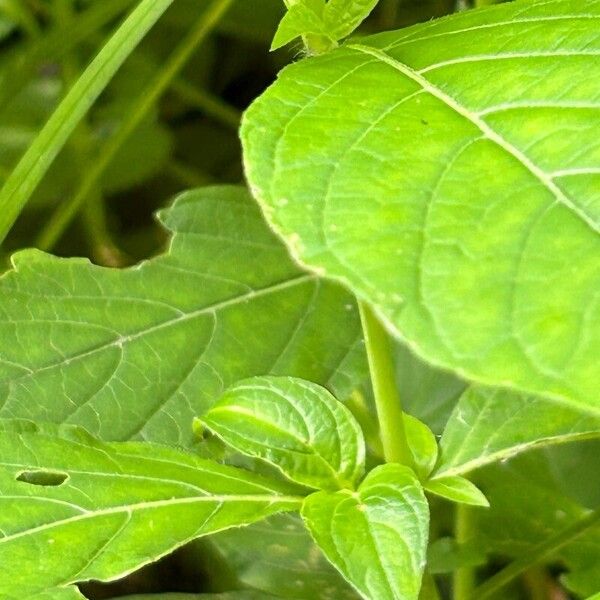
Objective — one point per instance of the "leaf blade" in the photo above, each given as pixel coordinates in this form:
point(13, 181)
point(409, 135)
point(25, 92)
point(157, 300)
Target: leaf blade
point(466, 256)
point(121, 506)
point(389, 512)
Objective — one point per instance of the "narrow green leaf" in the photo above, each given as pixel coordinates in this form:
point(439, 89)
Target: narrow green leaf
point(492, 424)
point(120, 506)
point(376, 537)
point(423, 445)
point(137, 353)
point(37, 160)
point(457, 489)
point(294, 425)
point(448, 195)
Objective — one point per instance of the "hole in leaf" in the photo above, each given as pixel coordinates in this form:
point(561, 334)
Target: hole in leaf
point(43, 478)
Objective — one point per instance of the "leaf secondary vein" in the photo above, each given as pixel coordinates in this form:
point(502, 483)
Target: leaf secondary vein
point(489, 133)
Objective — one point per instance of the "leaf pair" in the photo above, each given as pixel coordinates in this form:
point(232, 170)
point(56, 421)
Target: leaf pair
point(330, 21)
point(374, 533)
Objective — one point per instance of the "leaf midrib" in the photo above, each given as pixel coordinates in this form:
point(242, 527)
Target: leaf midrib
point(129, 508)
point(211, 309)
point(486, 130)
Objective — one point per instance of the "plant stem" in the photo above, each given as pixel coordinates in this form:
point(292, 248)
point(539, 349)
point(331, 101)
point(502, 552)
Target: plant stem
point(538, 554)
point(137, 113)
point(463, 580)
point(383, 379)
point(389, 13)
point(40, 155)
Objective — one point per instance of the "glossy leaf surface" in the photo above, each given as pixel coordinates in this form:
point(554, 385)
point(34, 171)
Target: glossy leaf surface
point(137, 353)
point(114, 508)
point(376, 537)
point(438, 172)
point(296, 426)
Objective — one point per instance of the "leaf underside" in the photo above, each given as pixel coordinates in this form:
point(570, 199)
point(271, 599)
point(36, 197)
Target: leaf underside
point(449, 175)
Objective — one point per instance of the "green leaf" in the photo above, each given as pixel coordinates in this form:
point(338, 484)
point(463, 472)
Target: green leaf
point(457, 489)
point(492, 424)
point(115, 508)
point(304, 17)
point(423, 445)
point(37, 160)
point(449, 195)
point(376, 537)
point(137, 353)
point(342, 17)
point(294, 425)
point(278, 556)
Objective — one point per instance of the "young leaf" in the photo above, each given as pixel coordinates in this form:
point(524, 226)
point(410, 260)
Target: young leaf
point(342, 17)
point(492, 424)
point(296, 426)
point(448, 195)
point(423, 445)
point(457, 489)
point(118, 506)
point(304, 17)
point(137, 353)
point(376, 537)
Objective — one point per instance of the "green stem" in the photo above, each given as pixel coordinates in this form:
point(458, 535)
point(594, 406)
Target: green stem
point(389, 13)
point(463, 580)
point(383, 378)
point(40, 155)
point(537, 555)
point(140, 109)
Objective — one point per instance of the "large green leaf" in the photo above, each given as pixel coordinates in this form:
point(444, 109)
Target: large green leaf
point(376, 537)
point(449, 175)
point(75, 509)
point(137, 353)
point(296, 426)
point(492, 424)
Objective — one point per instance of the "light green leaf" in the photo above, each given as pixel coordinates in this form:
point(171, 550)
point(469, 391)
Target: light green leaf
point(278, 556)
point(449, 195)
point(376, 537)
point(492, 424)
point(137, 353)
point(342, 17)
point(75, 509)
point(423, 445)
point(304, 17)
point(294, 425)
point(595, 597)
point(457, 489)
